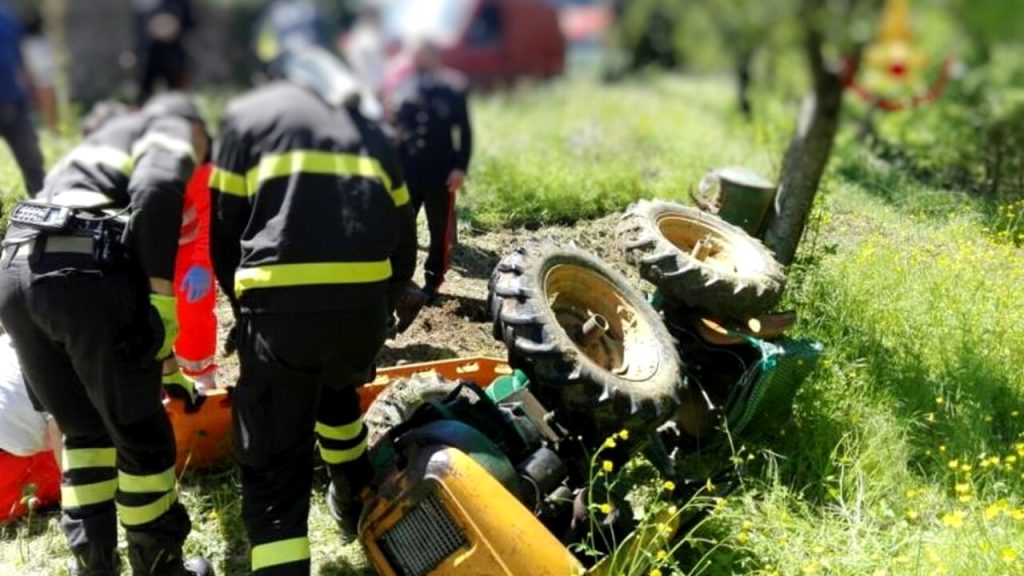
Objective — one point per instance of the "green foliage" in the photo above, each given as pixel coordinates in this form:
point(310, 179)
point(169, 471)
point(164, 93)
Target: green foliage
point(568, 152)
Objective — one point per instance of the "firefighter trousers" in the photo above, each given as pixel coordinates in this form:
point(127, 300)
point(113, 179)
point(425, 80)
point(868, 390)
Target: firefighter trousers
point(85, 343)
point(439, 205)
point(299, 373)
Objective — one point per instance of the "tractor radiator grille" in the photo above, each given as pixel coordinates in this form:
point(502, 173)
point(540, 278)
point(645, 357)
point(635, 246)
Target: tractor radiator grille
point(422, 539)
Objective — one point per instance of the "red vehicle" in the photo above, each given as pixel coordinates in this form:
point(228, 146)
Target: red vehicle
point(491, 41)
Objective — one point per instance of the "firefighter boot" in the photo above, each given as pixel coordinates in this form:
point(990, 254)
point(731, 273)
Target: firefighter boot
point(154, 548)
point(155, 556)
point(343, 496)
point(95, 563)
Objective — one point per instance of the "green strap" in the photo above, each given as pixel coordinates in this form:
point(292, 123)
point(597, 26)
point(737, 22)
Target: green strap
point(73, 496)
point(343, 456)
point(146, 513)
point(342, 433)
point(78, 458)
point(280, 552)
point(162, 482)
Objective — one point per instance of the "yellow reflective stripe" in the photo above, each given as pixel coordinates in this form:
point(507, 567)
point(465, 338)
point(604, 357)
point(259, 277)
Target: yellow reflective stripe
point(343, 456)
point(86, 494)
point(90, 154)
point(281, 275)
point(322, 163)
point(280, 552)
point(136, 515)
point(78, 458)
point(161, 482)
point(157, 140)
point(400, 195)
point(229, 182)
point(344, 432)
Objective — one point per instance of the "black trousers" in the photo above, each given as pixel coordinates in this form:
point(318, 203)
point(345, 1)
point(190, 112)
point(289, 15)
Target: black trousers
point(439, 203)
point(85, 344)
point(297, 387)
point(16, 128)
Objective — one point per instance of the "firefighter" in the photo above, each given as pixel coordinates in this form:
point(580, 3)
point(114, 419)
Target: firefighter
point(314, 243)
point(428, 108)
point(87, 297)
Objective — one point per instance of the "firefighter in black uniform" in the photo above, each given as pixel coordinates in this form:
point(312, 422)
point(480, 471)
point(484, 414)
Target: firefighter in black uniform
point(429, 109)
point(86, 296)
point(314, 242)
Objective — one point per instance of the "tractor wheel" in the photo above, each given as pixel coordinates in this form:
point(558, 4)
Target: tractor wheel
point(400, 399)
point(700, 260)
point(595, 351)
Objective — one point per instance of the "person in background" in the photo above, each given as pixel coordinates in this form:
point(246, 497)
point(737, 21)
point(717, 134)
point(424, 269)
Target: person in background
point(365, 50)
point(42, 67)
point(15, 89)
point(29, 443)
point(162, 28)
point(435, 142)
point(89, 303)
point(314, 244)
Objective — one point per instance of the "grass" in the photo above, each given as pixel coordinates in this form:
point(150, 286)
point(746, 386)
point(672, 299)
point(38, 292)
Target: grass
point(906, 451)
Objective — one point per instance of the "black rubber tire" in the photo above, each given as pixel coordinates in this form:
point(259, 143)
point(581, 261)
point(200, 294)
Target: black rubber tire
point(400, 399)
point(587, 397)
point(719, 287)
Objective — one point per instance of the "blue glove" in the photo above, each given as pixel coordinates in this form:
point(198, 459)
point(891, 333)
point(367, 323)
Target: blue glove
point(197, 283)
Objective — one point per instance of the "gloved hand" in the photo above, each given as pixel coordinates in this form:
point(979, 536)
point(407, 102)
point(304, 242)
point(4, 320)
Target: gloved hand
point(197, 283)
point(407, 301)
point(178, 385)
point(166, 308)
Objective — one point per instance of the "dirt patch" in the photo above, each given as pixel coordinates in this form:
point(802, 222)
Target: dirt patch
point(458, 324)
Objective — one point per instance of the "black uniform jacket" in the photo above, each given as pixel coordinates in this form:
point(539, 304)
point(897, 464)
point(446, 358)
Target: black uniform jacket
point(310, 198)
point(140, 163)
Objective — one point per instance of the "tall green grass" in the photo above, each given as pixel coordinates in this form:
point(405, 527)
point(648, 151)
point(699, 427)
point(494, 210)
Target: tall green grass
point(561, 153)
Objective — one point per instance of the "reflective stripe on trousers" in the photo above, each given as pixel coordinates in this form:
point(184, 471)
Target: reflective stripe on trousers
point(341, 444)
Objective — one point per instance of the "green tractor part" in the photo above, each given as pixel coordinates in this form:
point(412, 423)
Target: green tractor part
point(739, 196)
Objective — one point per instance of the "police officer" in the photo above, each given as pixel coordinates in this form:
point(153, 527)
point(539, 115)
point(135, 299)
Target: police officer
point(428, 108)
point(86, 296)
point(314, 242)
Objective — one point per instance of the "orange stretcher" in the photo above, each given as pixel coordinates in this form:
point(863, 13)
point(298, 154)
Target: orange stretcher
point(204, 437)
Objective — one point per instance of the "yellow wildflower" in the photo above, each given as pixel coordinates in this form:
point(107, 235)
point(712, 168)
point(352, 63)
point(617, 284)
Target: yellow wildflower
point(605, 509)
point(624, 434)
point(607, 466)
point(1008, 555)
point(954, 519)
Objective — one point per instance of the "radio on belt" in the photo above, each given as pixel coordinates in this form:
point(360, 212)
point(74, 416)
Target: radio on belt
point(41, 215)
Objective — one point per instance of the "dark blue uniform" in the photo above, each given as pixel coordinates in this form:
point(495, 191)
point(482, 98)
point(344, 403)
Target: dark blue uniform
point(435, 138)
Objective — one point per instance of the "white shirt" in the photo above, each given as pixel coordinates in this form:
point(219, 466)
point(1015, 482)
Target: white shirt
point(22, 429)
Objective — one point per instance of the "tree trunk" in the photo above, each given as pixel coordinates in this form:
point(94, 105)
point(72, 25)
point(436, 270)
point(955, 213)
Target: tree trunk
point(807, 156)
point(744, 73)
